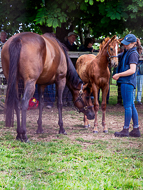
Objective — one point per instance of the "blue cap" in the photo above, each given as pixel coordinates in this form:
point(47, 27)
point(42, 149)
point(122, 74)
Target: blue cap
point(129, 39)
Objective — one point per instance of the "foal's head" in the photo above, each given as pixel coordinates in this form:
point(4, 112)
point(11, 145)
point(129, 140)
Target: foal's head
point(112, 50)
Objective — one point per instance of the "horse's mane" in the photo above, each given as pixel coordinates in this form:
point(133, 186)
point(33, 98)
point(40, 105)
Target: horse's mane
point(72, 76)
point(103, 43)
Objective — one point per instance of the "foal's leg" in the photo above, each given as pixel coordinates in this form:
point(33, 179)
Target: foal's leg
point(41, 105)
point(86, 121)
point(103, 107)
point(60, 88)
point(96, 107)
point(28, 93)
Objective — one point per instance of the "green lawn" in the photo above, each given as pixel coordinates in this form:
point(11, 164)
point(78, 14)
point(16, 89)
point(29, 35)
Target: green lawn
point(65, 164)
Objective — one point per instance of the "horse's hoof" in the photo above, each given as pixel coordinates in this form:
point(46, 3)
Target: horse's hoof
point(39, 131)
point(105, 131)
point(95, 132)
point(86, 126)
point(26, 140)
point(18, 138)
point(63, 133)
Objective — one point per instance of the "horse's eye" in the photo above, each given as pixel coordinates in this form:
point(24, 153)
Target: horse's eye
point(111, 49)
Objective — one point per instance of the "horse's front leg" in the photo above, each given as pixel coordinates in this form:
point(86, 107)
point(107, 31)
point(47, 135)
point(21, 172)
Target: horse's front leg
point(96, 106)
point(86, 121)
point(41, 105)
point(60, 85)
point(103, 107)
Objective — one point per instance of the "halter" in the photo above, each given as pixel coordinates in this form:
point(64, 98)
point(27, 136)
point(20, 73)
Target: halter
point(110, 56)
point(79, 98)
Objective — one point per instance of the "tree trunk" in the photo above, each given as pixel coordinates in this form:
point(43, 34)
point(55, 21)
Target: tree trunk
point(46, 29)
point(62, 32)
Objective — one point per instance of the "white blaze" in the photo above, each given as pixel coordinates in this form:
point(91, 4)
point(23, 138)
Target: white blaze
point(116, 48)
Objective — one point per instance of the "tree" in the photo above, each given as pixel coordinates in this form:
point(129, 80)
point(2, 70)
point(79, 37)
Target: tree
point(94, 17)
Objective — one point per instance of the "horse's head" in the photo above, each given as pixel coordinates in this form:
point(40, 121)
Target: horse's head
point(83, 102)
point(112, 50)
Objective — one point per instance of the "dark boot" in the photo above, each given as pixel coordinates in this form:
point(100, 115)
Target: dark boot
point(123, 133)
point(135, 132)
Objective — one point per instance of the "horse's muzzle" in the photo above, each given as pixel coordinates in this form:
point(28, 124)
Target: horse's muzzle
point(114, 62)
point(90, 115)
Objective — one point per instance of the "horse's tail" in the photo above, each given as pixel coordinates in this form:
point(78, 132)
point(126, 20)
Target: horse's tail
point(11, 95)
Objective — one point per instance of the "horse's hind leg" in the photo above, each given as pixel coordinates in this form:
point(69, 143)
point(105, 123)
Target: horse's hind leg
point(105, 129)
point(41, 105)
point(28, 93)
point(17, 109)
point(60, 88)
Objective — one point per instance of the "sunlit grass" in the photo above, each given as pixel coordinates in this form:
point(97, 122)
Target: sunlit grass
point(64, 165)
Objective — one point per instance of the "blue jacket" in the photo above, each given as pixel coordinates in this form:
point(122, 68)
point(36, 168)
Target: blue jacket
point(124, 65)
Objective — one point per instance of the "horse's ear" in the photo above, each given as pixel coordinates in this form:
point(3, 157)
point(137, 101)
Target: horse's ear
point(113, 37)
point(108, 42)
point(119, 40)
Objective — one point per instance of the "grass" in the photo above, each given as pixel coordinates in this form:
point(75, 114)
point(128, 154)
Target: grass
point(63, 164)
point(67, 164)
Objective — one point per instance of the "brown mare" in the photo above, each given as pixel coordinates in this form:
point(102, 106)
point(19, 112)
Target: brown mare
point(93, 70)
point(42, 60)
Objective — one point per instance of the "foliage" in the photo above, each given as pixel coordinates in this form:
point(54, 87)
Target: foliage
point(95, 17)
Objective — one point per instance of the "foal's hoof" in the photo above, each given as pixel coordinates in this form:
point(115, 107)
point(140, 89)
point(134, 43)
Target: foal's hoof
point(86, 126)
point(95, 132)
point(105, 131)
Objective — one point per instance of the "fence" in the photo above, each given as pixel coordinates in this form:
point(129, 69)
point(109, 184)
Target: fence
point(67, 97)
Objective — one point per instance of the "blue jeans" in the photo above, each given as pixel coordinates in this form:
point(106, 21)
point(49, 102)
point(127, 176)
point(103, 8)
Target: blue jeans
point(139, 88)
point(130, 110)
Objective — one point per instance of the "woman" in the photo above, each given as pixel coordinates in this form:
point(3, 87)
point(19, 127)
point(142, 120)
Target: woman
point(126, 75)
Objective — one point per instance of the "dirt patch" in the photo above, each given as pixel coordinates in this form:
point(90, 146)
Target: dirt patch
point(73, 124)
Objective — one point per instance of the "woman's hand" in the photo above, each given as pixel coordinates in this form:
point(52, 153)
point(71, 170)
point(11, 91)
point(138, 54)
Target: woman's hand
point(130, 71)
point(116, 76)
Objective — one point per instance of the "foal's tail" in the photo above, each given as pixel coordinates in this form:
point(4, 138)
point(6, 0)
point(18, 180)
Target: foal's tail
point(11, 95)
